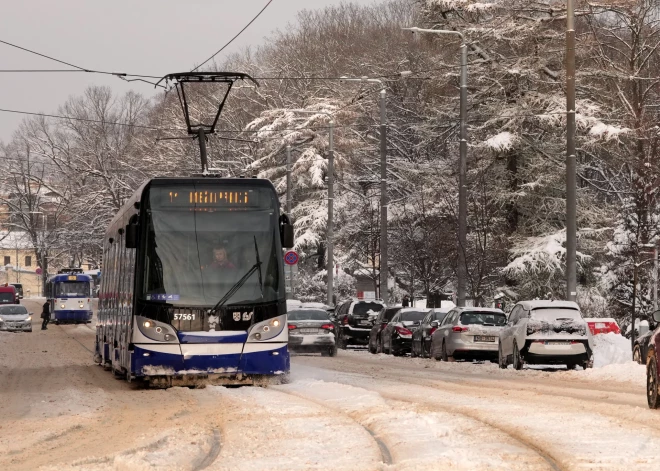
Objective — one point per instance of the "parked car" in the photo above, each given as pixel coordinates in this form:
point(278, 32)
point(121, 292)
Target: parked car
point(468, 333)
point(546, 332)
point(310, 330)
point(19, 289)
point(604, 325)
point(15, 318)
point(8, 295)
point(396, 337)
point(421, 339)
point(356, 318)
point(383, 318)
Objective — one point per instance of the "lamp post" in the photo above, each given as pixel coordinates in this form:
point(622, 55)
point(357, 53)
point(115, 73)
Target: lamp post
point(571, 197)
point(462, 163)
point(330, 262)
point(383, 291)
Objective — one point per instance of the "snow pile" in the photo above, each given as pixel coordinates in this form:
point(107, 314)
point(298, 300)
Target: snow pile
point(611, 349)
point(501, 142)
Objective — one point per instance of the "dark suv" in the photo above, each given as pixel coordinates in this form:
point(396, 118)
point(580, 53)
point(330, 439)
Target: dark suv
point(355, 319)
point(19, 289)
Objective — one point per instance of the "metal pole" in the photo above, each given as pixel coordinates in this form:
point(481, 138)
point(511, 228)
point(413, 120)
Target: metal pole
point(384, 295)
point(288, 180)
point(634, 305)
point(571, 203)
point(330, 268)
point(202, 150)
point(462, 188)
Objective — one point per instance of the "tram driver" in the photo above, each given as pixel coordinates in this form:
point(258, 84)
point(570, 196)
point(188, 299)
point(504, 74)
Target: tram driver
point(220, 259)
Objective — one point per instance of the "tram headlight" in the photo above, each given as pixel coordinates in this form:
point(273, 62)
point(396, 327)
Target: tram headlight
point(155, 330)
point(62, 306)
point(267, 330)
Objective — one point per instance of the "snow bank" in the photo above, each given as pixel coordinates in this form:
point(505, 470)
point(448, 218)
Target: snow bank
point(611, 349)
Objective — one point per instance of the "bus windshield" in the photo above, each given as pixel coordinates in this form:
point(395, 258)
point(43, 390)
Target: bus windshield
point(68, 289)
point(197, 252)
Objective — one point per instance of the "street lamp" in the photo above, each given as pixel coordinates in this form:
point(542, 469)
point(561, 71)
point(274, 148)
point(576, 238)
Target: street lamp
point(331, 179)
point(462, 163)
point(383, 180)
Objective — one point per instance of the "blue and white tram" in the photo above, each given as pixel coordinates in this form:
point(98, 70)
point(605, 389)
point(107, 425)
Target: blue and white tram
point(193, 284)
point(69, 295)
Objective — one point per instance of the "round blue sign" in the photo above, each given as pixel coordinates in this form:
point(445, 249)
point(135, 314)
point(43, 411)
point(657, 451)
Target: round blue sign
point(291, 257)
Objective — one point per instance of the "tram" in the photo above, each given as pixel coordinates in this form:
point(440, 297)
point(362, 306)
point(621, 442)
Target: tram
point(69, 294)
point(192, 290)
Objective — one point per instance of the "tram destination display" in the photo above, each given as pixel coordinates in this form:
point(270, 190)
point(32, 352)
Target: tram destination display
point(214, 197)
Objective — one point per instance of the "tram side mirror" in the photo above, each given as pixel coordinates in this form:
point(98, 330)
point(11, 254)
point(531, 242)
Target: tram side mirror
point(131, 236)
point(286, 232)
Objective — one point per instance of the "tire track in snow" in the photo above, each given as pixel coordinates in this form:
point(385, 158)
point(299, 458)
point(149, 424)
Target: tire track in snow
point(434, 436)
point(212, 455)
point(73, 338)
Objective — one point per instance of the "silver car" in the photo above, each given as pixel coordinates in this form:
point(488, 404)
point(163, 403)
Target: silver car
point(468, 333)
point(311, 331)
point(15, 318)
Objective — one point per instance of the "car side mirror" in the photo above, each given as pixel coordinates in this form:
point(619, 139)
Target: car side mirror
point(131, 236)
point(435, 324)
point(286, 232)
point(656, 316)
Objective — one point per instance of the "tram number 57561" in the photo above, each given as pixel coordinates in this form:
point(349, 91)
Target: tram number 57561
point(184, 317)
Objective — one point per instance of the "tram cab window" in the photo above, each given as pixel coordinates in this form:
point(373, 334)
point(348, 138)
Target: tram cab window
point(71, 288)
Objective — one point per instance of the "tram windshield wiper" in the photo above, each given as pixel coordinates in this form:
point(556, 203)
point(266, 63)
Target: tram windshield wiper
point(255, 268)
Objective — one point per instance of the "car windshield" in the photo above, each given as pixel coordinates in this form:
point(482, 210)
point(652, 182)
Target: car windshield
point(12, 310)
point(483, 318)
point(71, 288)
point(308, 315)
point(7, 298)
point(364, 308)
point(413, 316)
point(198, 248)
point(438, 316)
point(553, 314)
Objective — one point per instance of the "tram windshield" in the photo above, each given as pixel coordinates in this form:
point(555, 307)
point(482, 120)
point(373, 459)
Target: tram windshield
point(68, 289)
point(196, 251)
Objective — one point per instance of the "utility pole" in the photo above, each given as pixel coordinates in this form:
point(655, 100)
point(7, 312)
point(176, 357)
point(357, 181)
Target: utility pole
point(330, 267)
point(384, 269)
point(655, 278)
point(288, 180)
point(461, 271)
point(571, 197)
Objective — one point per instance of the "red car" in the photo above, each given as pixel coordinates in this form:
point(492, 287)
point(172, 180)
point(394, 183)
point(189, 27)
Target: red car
point(652, 363)
point(602, 325)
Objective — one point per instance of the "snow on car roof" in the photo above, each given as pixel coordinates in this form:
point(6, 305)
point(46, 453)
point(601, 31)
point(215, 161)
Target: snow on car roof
point(546, 303)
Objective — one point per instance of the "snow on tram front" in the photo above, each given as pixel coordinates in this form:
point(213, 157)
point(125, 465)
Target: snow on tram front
point(69, 294)
point(193, 284)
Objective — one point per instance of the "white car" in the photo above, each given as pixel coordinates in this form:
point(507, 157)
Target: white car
point(15, 318)
point(546, 333)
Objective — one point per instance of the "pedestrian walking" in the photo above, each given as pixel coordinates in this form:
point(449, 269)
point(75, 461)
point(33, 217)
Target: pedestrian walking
point(406, 301)
point(45, 315)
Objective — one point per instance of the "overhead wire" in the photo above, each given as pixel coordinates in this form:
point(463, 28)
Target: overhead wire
point(236, 36)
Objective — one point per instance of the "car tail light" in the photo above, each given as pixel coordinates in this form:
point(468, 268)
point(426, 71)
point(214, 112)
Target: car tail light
point(345, 320)
point(327, 326)
point(458, 328)
point(291, 327)
point(403, 331)
point(383, 325)
point(433, 329)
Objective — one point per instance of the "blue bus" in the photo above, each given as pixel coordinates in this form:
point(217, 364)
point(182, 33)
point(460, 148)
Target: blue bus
point(193, 284)
point(69, 295)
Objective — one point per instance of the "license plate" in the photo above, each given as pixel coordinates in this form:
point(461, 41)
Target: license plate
point(364, 323)
point(309, 331)
point(558, 343)
point(483, 338)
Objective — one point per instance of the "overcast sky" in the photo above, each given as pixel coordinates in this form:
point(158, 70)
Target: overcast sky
point(151, 37)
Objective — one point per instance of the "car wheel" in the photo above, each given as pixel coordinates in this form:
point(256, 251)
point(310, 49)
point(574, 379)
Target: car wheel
point(637, 355)
point(372, 348)
point(588, 364)
point(652, 383)
point(501, 359)
point(518, 361)
point(445, 357)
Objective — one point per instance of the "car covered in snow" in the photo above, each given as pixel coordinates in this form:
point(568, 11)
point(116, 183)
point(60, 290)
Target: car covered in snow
point(396, 337)
point(355, 318)
point(15, 318)
point(468, 333)
point(384, 317)
point(421, 341)
point(311, 331)
point(602, 325)
point(547, 333)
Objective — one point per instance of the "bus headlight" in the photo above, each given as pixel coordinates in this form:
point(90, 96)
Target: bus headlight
point(155, 330)
point(267, 330)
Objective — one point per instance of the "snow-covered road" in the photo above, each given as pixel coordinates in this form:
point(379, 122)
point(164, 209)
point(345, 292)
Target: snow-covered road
point(354, 412)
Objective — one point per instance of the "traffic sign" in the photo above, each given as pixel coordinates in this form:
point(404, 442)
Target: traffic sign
point(291, 257)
